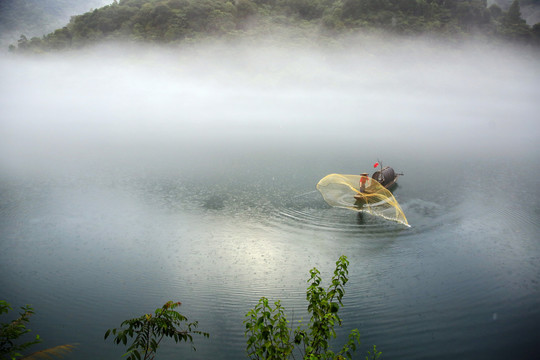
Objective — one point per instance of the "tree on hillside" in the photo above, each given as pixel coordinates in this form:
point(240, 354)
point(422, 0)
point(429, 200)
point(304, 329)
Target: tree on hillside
point(512, 24)
point(513, 15)
point(174, 21)
point(472, 14)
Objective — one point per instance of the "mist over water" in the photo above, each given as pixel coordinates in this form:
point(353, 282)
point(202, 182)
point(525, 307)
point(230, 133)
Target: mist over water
point(133, 175)
point(134, 106)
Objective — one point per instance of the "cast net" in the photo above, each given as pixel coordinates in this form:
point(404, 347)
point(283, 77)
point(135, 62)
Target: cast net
point(344, 191)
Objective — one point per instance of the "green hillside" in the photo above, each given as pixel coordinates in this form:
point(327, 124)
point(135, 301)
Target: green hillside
point(176, 21)
point(38, 17)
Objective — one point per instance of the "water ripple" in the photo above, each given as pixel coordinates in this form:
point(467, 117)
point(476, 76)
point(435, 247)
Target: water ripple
point(309, 211)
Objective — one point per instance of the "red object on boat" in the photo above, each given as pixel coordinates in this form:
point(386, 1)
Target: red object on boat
point(376, 164)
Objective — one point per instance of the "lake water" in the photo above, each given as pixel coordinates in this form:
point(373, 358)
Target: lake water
point(128, 180)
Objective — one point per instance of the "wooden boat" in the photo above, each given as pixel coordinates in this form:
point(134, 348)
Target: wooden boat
point(387, 177)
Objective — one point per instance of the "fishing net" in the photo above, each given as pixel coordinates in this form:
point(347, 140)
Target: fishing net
point(344, 191)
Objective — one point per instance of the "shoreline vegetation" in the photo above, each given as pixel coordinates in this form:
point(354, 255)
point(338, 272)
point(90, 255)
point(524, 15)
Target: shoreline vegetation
point(270, 335)
point(179, 22)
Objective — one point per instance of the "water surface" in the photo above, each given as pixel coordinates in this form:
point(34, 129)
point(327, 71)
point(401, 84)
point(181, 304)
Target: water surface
point(172, 176)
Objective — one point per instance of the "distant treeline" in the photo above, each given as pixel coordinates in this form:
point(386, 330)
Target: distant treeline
point(40, 16)
point(530, 8)
point(173, 21)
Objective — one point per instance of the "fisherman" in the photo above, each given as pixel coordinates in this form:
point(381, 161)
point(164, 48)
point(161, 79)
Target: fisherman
point(363, 180)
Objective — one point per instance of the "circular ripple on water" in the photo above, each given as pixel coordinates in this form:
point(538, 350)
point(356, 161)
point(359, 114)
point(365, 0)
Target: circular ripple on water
point(310, 212)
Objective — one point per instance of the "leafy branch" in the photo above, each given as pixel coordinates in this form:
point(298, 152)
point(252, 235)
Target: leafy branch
point(150, 329)
point(269, 335)
point(11, 332)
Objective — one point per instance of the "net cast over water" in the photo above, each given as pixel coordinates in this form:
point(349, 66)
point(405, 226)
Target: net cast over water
point(343, 191)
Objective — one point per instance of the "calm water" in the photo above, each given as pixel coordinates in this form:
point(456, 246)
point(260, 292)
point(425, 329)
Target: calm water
point(128, 184)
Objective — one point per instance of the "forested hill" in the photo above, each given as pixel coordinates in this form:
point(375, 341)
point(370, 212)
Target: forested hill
point(529, 8)
point(175, 21)
point(38, 17)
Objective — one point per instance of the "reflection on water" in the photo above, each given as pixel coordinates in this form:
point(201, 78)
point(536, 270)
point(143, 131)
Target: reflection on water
point(116, 197)
point(94, 254)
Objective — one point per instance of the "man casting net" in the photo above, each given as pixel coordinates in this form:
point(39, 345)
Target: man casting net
point(361, 193)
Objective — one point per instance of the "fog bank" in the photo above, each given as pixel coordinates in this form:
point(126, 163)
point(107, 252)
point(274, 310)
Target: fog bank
point(161, 109)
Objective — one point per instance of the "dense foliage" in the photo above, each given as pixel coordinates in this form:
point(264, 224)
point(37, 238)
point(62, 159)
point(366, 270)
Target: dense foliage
point(171, 21)
point(269, 335)
point(530, 8)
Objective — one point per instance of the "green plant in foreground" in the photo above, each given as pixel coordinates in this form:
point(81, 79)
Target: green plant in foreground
point(270, 337)
point(149, 330)
point(11, 332)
